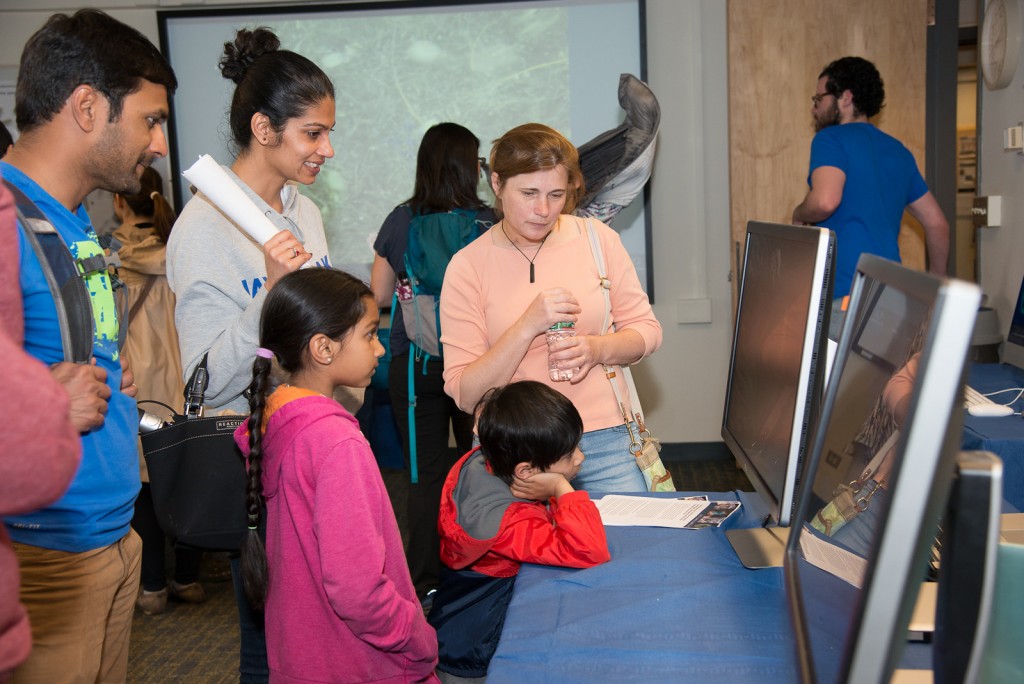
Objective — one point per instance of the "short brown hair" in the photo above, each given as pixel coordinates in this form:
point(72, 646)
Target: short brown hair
point(535, 147)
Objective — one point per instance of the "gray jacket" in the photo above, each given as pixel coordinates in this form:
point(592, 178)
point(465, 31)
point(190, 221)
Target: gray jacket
point(217, 273)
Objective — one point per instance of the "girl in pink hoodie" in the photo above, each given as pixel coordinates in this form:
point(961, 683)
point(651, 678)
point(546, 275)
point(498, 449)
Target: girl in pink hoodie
point(340, 606)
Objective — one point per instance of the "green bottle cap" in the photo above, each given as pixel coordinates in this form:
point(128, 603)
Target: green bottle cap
point(563, 325)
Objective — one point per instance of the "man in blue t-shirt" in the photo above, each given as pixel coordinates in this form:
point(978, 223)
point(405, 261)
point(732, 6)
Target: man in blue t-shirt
point(91, 100)
point(861, 179)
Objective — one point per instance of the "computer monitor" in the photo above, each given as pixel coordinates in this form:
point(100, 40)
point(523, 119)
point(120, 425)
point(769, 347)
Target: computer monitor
point(967, 569)
point(1013, 349)
point(879, 471)
point(775, 371)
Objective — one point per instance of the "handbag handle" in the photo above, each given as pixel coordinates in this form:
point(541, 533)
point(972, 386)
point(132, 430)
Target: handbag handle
point(195, 390)
point(609, 371)
point(879, 457)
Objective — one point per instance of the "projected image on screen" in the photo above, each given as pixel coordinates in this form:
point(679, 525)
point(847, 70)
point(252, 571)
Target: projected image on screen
point(513, 73)
point(399, 71)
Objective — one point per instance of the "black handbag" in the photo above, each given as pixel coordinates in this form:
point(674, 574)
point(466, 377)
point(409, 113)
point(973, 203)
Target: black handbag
point(197, 474)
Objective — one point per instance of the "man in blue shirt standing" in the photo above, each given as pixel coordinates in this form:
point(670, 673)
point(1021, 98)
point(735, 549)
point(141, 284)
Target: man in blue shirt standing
point(861, 179)
point(91, 99)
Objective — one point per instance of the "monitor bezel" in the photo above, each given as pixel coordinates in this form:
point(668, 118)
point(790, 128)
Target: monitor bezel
point(877, 633)
point(812, 366)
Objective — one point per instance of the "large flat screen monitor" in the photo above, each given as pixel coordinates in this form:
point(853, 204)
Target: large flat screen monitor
point(776, 370)
point(879, 471)
point(1013, 350)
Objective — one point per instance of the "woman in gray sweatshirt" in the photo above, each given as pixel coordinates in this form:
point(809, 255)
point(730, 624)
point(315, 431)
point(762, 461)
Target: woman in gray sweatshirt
point(282, 113)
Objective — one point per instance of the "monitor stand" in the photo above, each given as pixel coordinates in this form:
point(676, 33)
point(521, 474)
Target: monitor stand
point(759, 547)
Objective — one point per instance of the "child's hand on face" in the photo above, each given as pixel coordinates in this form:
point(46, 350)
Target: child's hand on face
point(540, 486)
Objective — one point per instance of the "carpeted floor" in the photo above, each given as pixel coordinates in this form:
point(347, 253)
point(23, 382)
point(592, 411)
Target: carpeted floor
point(199, 643)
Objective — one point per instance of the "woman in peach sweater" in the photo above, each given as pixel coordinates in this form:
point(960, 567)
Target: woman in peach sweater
point(534, 269)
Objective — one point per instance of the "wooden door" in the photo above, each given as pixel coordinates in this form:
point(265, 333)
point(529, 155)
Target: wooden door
point(777, 48)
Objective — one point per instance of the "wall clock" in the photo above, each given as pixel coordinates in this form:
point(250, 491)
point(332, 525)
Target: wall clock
point(999, 49)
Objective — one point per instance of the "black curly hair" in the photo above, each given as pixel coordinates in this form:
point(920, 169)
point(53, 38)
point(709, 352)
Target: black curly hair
point(861, 78)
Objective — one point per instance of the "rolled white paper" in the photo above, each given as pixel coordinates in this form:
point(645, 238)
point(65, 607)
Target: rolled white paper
point(207, 175)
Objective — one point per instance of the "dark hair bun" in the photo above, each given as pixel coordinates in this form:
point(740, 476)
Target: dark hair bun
point(247, 47)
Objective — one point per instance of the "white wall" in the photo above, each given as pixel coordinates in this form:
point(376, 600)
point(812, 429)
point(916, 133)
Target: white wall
point(682, 385)
point(1001, 250)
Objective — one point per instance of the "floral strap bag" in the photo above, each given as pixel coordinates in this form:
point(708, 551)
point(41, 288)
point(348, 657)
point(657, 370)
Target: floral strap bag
point(850, 500)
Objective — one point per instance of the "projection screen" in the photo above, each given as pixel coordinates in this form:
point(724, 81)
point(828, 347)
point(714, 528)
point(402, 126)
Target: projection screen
point(400, 67)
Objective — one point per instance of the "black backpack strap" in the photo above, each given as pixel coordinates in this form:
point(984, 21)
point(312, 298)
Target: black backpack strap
point(70, 295)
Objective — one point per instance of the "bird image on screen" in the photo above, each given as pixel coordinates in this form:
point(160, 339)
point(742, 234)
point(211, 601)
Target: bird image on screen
point(879, 471)
point(776, 371)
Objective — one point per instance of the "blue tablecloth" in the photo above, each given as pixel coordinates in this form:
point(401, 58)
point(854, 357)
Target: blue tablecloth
point(1002, 436)
point(671, 606)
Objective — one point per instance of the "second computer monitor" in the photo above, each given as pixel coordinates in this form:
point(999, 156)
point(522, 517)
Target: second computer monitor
point(879, 470)
point(776, 370)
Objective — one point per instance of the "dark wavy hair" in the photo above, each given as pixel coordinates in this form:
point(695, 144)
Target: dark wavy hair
point(302, 304)
point(526, 421)
point(447, 171)
point(535, 147)
point(150, 201)
point(269, 80)
point(861, 78)
point(88, 47)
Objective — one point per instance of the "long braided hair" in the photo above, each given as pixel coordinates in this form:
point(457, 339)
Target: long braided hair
point(302, 304)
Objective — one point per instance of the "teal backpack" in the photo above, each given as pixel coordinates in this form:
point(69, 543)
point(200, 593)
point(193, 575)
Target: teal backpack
point(433, 241)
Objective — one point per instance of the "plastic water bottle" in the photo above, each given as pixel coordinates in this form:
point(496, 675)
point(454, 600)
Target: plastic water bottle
point(559, 331)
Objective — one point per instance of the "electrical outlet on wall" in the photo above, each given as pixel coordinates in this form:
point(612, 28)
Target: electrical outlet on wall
point(1013, 139)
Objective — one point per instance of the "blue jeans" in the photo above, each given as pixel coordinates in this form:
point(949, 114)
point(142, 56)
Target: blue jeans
point(859, 533)
point(252, 661)
point(609, 466)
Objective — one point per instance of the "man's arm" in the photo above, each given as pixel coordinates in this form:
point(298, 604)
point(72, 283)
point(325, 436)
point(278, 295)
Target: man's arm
point(936, 232)
point(823, 198)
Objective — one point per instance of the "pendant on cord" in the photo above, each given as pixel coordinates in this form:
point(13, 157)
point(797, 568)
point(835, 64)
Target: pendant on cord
point(539, 247)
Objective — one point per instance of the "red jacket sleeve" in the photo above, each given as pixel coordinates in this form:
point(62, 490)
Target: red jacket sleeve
point(571, 535)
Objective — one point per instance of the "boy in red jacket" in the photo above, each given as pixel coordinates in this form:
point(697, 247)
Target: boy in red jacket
point(505, 503)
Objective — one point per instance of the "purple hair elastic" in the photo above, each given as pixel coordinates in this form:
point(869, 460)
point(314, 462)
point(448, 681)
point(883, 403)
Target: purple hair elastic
point(264, 353)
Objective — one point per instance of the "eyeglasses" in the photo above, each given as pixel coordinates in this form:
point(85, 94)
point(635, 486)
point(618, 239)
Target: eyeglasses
point(817, 98)
point(483, 165)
